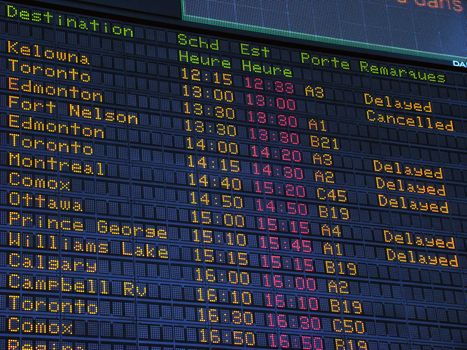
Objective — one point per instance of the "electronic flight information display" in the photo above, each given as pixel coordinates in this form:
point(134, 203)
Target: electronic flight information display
point(168, 186)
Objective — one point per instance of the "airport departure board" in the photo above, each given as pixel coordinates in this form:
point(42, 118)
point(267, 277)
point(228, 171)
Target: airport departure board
point(167, 186)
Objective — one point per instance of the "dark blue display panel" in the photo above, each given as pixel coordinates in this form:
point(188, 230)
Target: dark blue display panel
point(141, 8)
point(165, 188)
point(423, 29)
